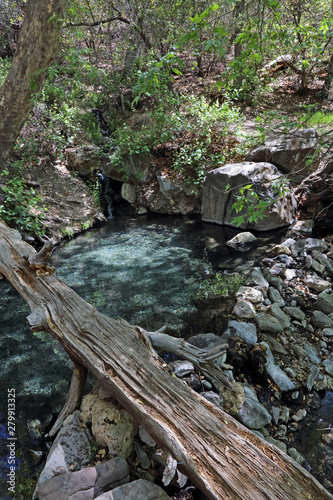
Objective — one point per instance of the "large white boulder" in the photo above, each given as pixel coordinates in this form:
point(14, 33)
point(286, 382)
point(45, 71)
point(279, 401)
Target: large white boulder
point(217, 201)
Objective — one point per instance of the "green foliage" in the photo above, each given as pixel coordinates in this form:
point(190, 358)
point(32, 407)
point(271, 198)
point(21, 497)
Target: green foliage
point(171, 118)
point(94, 188)
point(158, 77)
point(249, 200)
point(25, 483)
point(319, 118)
point(204, 117)
point(20, 206)
point(251, 206)
point(208, 123)
point(192, 159)
point(220, 285)
point(68, 231)
point(162, 124)
point(87, 224)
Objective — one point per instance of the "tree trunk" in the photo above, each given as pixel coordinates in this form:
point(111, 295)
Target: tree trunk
point(224, 459)
point(35, 52)
point(239, 8)
point(328, 79)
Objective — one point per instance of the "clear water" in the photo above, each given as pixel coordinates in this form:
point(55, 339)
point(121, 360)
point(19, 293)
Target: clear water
point(147, 272)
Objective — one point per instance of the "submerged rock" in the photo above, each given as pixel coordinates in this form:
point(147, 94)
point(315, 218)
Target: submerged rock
point(242, 241)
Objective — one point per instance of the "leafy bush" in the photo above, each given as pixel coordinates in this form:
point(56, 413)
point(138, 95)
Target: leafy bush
point(19, 204)
point(204, 117)
point(221, 285)
point(164, 124)
point(208, 130)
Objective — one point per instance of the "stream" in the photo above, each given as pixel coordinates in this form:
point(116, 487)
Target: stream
point(146, 270)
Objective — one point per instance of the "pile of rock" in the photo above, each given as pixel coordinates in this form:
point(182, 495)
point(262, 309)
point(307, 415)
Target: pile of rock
point(281, 329)
point(91, 454)
point(290, 300)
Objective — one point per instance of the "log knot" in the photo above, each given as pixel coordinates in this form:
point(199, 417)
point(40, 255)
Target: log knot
point(41, 261)
point(37, 320)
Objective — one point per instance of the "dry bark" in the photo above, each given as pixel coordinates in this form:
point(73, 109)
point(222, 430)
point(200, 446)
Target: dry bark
point(223, 458)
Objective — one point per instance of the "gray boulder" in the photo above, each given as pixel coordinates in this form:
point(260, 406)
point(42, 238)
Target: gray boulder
point(312, 377)
point(325, 302)
point(84, 159)
point(213, 397)
point(173, 197)
point(253, 414)
point(256, 278)
point(294, 312)
point(308, 244)
point(289, 153)
point(181, 368)
point(69, 452)
point(320, 320)
point(246, 331)
point(244, 309)
point(111, 474)
point(274, 371)
point(217, 202)
point(135, 167)
point(72, 485)
point(136, 490)
point(316, 283)
point(250, 293)
point(275, 296)
point(282, 318)
point(328, 364)
point(268, 323)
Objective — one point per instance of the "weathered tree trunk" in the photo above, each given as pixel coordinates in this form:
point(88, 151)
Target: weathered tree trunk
point(239, 8)
point(35, 52)
point(223, 458)
point(328, 79)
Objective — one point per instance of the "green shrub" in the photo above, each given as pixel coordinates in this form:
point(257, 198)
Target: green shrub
point(20, 204)
point(220, 285)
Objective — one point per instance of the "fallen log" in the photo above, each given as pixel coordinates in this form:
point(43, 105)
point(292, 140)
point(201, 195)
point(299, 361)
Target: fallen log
point(222, 458)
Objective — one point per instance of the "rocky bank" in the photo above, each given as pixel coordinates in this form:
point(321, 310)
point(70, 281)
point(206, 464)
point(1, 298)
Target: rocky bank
point(280, 335)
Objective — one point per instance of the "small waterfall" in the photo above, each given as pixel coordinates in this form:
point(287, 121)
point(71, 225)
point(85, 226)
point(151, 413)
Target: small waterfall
point(112, 203)
point(105, 194)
